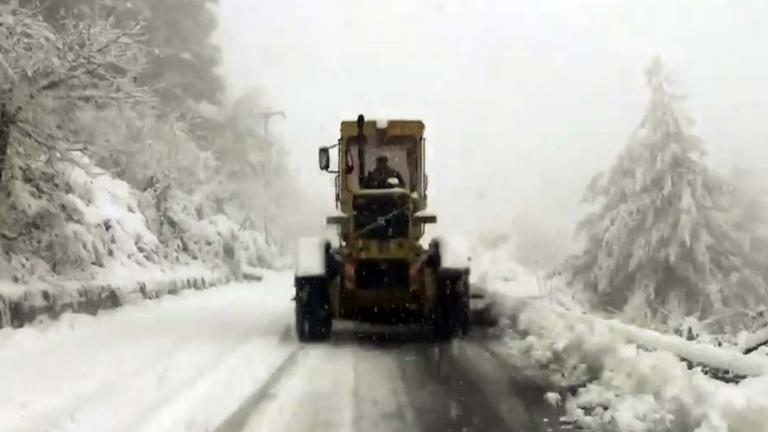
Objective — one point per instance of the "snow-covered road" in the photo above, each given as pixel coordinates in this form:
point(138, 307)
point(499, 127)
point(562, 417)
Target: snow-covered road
point(225, 359)
point(396, 381)
point(178, 363)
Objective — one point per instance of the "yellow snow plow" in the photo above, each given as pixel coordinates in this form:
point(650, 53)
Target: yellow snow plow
point(380, 272)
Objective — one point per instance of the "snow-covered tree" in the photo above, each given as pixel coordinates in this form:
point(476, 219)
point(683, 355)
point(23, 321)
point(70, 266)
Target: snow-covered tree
point(50, 77)
point(75, 121)
point(750, 210)
point(658, 238)
point(182, 56)
point(254, 183)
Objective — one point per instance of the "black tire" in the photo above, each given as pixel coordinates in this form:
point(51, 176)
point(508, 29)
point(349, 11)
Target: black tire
point(309, 329)
point(443, 328)
point(452, 307)
point(313, 310)
point(464, 319)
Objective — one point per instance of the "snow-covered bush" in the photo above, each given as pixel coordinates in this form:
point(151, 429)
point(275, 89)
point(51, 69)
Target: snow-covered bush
point(82, 219)
point(191, 232)
point(659, 238)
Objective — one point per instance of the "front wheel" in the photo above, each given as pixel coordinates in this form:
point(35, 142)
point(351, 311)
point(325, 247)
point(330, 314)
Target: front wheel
point(313, 310)
point(309, 328)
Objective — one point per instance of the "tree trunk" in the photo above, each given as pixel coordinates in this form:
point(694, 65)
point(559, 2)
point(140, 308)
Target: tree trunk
point(5, 137)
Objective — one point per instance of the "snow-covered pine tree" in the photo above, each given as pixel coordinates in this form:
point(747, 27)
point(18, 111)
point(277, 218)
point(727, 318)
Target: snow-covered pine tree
point(658, 237)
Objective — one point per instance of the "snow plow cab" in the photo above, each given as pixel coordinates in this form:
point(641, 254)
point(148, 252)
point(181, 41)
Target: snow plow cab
point(380, 272)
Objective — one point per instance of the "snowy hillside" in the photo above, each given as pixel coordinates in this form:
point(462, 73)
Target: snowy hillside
point(101, 234)
point(99, 244)
point(110, 186)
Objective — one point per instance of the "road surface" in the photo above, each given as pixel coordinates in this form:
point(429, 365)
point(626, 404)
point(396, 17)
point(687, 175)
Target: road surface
point(395, 380)
point(225, 359)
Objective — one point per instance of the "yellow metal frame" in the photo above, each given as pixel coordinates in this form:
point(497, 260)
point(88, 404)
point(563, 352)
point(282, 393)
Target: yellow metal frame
point(421, 296)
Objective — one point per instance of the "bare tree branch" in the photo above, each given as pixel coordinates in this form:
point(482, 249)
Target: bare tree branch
point(118, 36)
point(8, 75)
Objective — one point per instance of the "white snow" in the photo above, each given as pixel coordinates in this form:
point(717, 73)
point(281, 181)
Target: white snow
point(635, 378)
point(455, 252)
point(756, 338)
point(123, 276)
point(104, 199)
point(106, 233)
point(179, 363)
point(722, 358)
point(552, 398)
point(497, 272)
point(322, 381)
point(631, 389)
point(310, 257)
point(339, 387)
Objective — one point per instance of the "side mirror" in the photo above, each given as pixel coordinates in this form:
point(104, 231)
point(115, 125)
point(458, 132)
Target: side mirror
point(425, 218)
point(337, 219)
point(324, 158)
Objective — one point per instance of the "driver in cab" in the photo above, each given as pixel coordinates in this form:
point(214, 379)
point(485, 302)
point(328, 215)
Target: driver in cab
point(383, 176)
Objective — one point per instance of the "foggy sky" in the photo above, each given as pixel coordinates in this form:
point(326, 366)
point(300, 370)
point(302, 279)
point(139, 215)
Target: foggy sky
point(523, 101)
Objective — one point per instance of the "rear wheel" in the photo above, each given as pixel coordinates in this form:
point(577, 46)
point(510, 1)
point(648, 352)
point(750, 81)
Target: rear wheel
point(464, 312)
point(313, 310)
point(452, 307)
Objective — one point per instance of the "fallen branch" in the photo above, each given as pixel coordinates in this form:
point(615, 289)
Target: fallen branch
point(696, 353)
point(756, 340)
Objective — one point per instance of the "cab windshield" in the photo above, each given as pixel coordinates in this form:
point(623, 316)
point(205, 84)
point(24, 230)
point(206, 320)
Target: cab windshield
point(382, 167)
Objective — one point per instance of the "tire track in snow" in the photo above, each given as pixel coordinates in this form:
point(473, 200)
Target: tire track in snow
point(344, 384)
point(395, 382)
point(181, 407)
point(459, 386)
point(238, 419)
point(147, 382)
point(444, 395)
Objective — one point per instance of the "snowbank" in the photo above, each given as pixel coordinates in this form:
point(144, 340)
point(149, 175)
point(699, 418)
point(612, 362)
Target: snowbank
point(497, 272)
point(24, 304)
point(630, 379)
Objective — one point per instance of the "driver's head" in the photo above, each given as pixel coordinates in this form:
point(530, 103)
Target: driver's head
point(382, 161)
